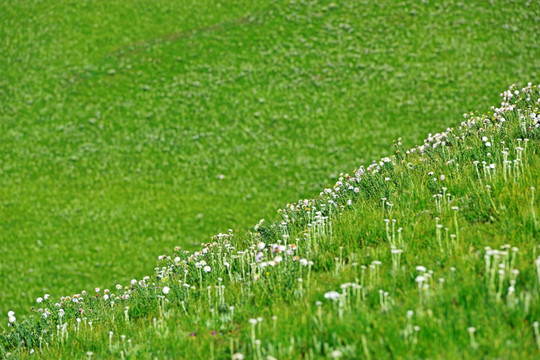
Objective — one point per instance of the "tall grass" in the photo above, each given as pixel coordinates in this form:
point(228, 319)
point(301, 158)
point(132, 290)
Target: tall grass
point(432, 252)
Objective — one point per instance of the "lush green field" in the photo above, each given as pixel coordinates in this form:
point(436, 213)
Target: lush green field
point(430, 253)
point(129, 128)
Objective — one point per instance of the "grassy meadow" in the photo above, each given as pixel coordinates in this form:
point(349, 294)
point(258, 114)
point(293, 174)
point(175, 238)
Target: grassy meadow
point(430, 253)
point(129, 128)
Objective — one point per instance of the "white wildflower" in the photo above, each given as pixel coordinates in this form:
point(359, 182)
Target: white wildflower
point(332, 295)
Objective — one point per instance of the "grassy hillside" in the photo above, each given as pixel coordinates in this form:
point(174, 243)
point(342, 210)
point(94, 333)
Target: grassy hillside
point(126, 128)
point(430, 253)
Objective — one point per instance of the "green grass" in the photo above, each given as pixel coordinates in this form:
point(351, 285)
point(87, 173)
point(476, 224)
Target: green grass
point(430, 253)
point(128, 128)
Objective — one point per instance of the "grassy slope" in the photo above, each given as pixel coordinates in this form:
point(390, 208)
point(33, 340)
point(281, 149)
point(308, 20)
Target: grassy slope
point(478, 212)
point(116, 120)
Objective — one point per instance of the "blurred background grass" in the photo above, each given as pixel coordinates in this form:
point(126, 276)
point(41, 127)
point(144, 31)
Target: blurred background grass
point(127, 128)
